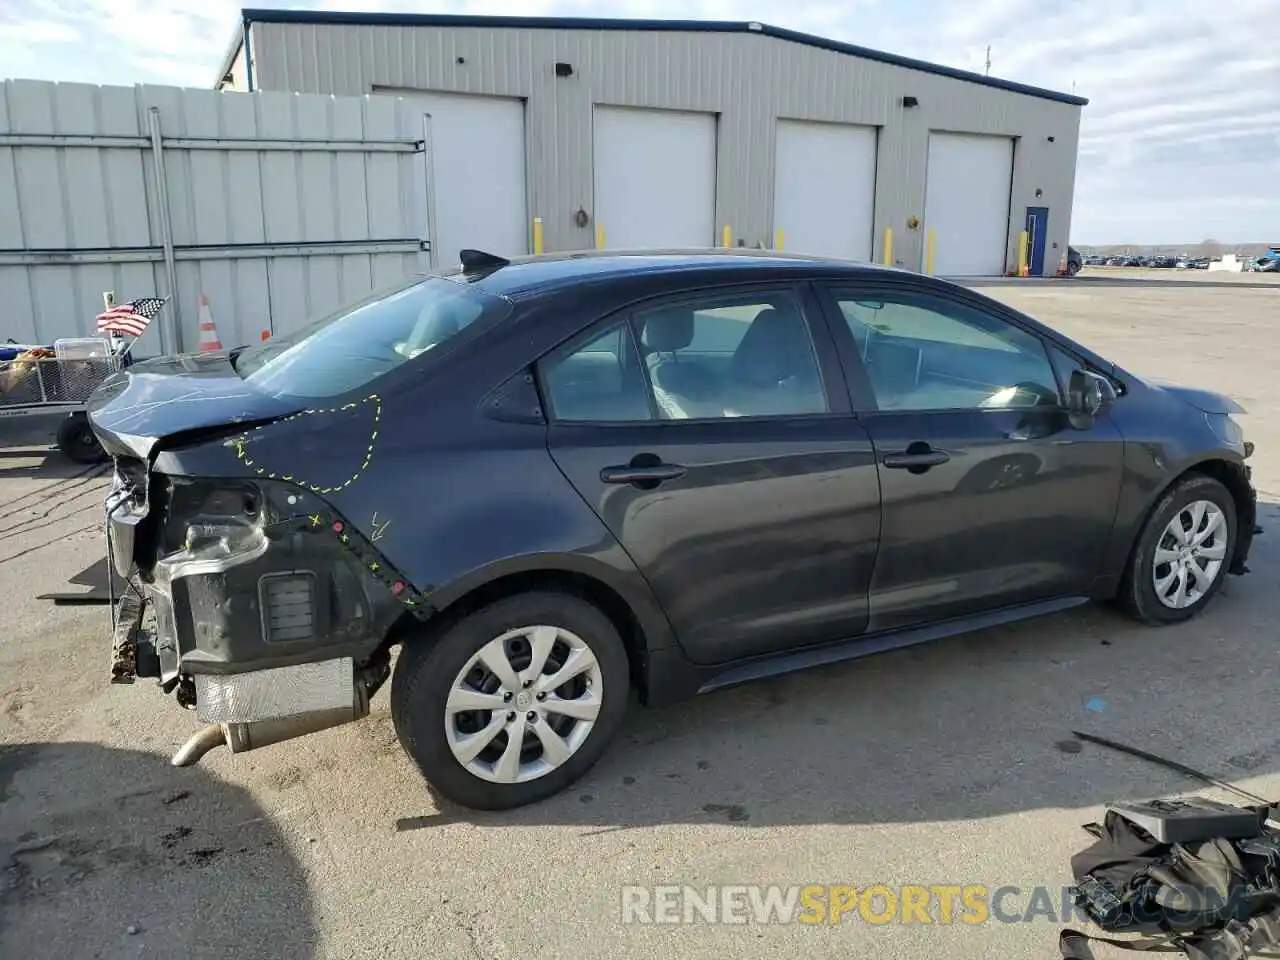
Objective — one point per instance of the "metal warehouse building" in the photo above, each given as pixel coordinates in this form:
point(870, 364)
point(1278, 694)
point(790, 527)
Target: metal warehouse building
point(634, 133)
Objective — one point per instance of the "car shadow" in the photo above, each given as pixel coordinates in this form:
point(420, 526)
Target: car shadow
point(113, 853)
point(28, 449)
point(39, 463)
point(971, 727)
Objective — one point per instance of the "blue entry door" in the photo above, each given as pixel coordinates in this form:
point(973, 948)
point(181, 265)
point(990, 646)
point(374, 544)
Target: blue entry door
point(1037, 231)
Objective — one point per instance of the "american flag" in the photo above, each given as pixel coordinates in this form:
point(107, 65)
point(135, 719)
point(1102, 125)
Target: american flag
point(130, 319)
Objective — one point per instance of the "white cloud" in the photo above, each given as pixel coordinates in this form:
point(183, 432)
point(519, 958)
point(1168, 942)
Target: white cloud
point(1184, 113)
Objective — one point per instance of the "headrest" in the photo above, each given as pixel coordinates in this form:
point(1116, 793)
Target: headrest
point(668, 330)
point(775, 346)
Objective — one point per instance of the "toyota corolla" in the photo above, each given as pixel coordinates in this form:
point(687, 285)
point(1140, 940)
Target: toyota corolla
point(546, 482)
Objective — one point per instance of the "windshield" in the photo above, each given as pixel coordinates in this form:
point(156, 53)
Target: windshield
point(357, 344)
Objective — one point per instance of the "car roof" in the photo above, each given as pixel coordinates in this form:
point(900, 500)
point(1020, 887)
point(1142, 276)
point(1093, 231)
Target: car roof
point(526, 276)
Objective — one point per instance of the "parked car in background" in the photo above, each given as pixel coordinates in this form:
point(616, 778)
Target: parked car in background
point(550, 480)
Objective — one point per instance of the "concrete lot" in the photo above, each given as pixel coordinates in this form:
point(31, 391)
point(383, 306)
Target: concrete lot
point(936, 765)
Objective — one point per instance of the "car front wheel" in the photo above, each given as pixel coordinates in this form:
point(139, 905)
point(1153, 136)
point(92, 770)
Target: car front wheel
point(1183, 552)
point(513, 702)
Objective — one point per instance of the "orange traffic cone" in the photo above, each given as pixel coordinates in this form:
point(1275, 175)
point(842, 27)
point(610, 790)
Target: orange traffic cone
point(208, 332)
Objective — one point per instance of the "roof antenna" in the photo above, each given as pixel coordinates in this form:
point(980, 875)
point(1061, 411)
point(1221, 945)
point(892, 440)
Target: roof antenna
point(474, 261)
point(988, 60)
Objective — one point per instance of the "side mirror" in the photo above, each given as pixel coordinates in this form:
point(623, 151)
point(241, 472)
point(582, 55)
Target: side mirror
point(1088, 394)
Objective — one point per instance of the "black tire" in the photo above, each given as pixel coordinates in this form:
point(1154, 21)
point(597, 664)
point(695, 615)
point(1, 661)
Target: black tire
point(1072, 268)
point(426, 672)
point(76, 440)
point(1137, 594)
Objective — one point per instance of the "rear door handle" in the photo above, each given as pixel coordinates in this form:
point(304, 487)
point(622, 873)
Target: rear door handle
point(918, 457)
point(653, 474)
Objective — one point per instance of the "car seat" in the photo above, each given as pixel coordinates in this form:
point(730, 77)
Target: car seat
point(774, 370)
point(684, 387)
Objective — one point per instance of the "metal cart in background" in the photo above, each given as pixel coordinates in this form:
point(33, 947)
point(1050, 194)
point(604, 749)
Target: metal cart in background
point(44, 380)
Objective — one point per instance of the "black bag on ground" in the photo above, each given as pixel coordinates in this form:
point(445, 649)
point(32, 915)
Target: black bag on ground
point(1213, 899)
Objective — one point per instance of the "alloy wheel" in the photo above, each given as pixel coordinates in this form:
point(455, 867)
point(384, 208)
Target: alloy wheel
point(523, 704)
point(1190, 554)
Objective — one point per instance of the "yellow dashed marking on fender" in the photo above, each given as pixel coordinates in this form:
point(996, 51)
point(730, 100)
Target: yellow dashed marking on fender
point(239, 444)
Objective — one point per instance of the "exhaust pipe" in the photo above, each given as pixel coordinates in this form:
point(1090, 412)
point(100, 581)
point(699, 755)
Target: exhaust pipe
point(261, 733)
point(325, 686)
point(198, 745)
point(241, 737)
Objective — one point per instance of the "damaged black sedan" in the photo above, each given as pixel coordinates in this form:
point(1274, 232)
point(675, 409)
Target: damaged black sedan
point(546, 482)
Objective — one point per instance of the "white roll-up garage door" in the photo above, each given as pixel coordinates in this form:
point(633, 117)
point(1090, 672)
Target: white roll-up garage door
point(478, 165)
point(825, 188)
point(967, 203)
point(655, 177)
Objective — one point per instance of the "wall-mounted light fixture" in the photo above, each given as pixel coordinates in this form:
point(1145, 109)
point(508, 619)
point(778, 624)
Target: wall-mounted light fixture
point(1051, 139)
point(910, 102)
point(564, 69)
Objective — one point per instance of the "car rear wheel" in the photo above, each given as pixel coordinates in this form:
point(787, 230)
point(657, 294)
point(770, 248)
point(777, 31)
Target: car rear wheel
point(1181, 558)
point(514, 702)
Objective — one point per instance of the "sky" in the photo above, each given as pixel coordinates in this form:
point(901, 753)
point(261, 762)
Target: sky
point(1180, 141)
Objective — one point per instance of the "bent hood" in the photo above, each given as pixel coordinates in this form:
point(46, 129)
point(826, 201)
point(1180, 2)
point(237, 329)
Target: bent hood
point(140, 408)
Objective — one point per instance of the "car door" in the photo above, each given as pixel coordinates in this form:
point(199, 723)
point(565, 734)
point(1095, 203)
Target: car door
point(990, 498)
point(711, 432)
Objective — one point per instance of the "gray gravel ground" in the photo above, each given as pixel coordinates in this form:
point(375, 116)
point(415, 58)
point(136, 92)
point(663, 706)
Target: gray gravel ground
point(935, 765)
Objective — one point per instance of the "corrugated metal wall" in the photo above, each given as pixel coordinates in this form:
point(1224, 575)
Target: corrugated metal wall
point(748, 80)
point(279, 207)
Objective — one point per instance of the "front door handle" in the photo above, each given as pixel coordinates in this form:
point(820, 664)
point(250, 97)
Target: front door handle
point(643, 475)
point(918, 457)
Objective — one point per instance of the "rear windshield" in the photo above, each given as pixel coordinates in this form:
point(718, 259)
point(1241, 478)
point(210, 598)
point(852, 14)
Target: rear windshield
point(348, 349)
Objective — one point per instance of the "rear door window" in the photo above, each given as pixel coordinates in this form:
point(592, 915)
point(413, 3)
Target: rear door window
point(731, 354)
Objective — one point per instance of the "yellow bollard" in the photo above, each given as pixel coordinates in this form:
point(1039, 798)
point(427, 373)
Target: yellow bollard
point(537, 236)
point(728, 235)
point(599, 237)
point(888, 246)
point(1023, 242)
point(777, 239)
point(930, 243)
